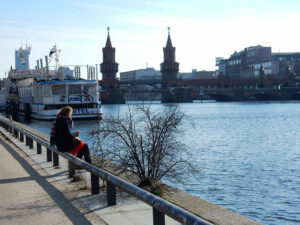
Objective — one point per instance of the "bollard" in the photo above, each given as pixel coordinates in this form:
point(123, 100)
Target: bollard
point(71, 169)
point(95, 184)
point(21, 137)
point(111, 194)
point(38, 148)
point(49, 155)
point(55, 159)
point(158, 217)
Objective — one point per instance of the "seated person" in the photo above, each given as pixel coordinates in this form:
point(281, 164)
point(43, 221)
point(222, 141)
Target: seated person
point(64, 139)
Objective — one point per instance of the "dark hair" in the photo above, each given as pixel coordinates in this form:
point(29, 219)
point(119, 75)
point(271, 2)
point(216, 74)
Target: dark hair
point(65, 111)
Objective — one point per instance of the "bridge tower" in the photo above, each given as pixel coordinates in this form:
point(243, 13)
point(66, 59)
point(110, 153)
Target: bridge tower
point(111, 92)
point(169, 68)
point(173, 92)
point(109, 67)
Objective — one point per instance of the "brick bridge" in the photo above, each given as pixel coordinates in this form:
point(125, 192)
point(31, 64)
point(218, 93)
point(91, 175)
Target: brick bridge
point(225, 88)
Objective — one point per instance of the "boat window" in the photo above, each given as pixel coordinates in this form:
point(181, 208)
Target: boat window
point(46, 90)
point(89, 89)
point(59, 89)
point(74, 89)
point(74, 106)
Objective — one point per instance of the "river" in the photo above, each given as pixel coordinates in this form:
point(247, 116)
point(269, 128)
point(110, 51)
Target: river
point(248, 154)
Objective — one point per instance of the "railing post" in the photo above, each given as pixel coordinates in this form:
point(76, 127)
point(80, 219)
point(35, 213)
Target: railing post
point(158, 217)
point(21, 137)
point(111, 194)
point(30, 143)
point(10, 129)
point(49, 155)
point(27, 140)
point(38, 148)
point(16, 133)
point(71, 169)
point(55, 159)
point(95, 184)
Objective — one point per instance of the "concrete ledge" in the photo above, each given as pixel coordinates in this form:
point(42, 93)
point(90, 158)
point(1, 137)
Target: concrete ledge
point(206, 210)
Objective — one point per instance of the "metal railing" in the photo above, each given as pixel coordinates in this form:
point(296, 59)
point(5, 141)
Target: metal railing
point(160, 207)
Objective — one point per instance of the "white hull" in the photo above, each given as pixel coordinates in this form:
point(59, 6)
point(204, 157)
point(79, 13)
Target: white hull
point(51, 115)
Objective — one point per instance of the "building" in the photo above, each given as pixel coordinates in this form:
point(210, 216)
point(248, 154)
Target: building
point(22, 58)
point(243, 64)
point(197, 75)
point(150, 74)
point(270, 68)
point(187, 76)
point(140, 75)
point(288, 59)
point(203, 74)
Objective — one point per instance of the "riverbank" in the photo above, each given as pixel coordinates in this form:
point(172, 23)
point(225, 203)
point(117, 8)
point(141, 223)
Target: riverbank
point(212, 213)
point(247, 154)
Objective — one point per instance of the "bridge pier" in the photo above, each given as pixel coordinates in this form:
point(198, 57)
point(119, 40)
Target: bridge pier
point(177, 95)
point(112, 96)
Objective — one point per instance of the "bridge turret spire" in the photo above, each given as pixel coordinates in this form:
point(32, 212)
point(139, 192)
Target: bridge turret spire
point(108, 42)
point(169, 42)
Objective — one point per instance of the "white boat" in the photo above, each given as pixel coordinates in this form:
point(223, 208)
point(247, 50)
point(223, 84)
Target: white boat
point(39, 93)
point(43, 99)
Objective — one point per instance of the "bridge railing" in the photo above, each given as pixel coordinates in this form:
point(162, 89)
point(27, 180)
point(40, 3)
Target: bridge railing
point(160, 207)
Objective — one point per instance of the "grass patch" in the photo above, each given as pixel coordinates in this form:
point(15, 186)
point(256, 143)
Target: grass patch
point(77, 178)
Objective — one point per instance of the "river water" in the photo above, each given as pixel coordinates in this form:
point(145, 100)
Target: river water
point(248, 154)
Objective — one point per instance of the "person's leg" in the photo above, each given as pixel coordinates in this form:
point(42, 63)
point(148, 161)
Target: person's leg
point(86, 153)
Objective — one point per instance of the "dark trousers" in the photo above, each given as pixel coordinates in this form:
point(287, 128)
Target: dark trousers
point(85, 152)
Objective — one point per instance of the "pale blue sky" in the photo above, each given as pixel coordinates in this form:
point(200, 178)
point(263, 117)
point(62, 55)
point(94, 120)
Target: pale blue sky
point(200, 30)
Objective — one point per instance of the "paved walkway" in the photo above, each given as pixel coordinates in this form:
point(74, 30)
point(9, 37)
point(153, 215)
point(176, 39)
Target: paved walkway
point(32, 191)
point(28, 195)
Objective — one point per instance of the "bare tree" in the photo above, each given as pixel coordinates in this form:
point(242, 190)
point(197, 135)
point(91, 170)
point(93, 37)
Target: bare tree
point(147, 143)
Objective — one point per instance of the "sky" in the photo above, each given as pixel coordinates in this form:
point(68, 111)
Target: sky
point(201, 30)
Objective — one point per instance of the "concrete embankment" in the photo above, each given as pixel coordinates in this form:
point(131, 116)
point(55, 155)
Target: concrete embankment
point(89, 209)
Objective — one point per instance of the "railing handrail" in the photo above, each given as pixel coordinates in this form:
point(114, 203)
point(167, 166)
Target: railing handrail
point(156, 202)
